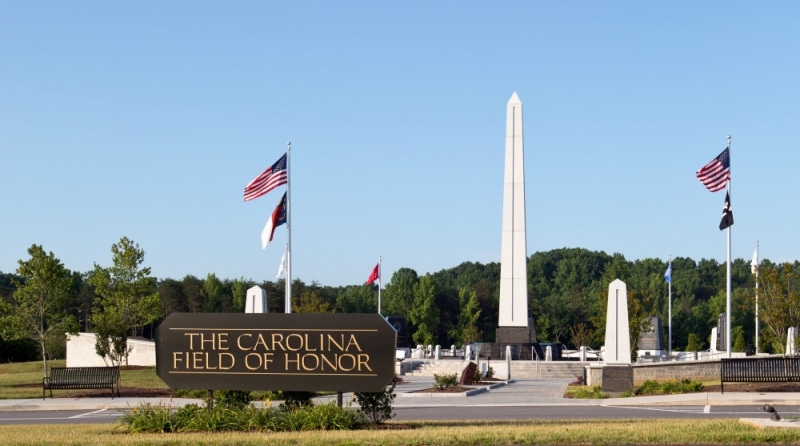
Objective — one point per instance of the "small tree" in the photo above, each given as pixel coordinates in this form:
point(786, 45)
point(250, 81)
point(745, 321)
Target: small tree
point(376, 406)
point(580, 335)
point(424, 314)
point(469, 315)
point(125, 301)
point(739, 344)
point(694, 343)
point(38, 305)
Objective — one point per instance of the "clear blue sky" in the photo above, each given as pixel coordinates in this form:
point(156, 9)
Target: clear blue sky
point(147, 119)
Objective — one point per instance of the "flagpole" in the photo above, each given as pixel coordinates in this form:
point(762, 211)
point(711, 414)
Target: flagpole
point(755, 267)
point(669, 287)
point(380, 284)
point(288, 279)
point(728, 313)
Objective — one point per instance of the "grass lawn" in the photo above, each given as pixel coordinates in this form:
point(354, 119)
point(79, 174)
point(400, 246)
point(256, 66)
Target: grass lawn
point(24, 380)
point(556, 432)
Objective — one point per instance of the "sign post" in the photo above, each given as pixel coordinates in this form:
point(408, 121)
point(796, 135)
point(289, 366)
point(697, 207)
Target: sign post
point(276, 351)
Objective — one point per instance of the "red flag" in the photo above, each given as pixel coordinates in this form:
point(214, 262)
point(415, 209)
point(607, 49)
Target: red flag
point(375, 275)
point(269, 179)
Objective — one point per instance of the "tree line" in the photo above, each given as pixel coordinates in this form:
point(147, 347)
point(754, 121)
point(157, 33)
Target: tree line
point(567, 290)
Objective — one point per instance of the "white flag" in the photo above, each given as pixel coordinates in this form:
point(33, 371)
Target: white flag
point(754, 263)
point(283, 263)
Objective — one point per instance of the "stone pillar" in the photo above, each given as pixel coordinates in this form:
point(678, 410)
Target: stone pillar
point(256, 300)
point(514, 326)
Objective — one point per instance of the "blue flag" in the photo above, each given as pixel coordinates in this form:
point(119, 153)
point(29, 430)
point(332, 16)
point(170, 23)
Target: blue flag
point(668, 274)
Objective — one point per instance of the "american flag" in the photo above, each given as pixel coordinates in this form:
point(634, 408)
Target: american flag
point(716, 174)
point(271, 178)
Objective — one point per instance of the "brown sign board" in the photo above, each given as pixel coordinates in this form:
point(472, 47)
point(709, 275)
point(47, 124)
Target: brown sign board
point(276, 351)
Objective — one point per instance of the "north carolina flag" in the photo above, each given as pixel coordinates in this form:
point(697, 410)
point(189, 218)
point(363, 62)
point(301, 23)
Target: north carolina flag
point(278, 218)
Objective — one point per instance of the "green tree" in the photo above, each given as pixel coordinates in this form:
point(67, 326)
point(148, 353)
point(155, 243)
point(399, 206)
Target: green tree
point(309, 302)
point(739, 345)
point(469, 314)
point(424, 313)
point(779, 299)
point(239, 291)
point(580, 335)
point(357, 299)
point(172, 298)
point(694, 343)
point(212, 292)
point(193, 293)
point(126, 299)
point(38, 306)
point(398, 297)
point(543, 328)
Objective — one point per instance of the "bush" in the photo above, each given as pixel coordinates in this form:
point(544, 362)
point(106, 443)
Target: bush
point(446, 380)
point(594, 393)
point(376, 406)
point(650, 387)
point(296, 400)
point(193, 418)
point(233, 399)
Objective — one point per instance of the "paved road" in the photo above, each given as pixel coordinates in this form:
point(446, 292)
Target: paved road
point(517, 400)
point(455, 413)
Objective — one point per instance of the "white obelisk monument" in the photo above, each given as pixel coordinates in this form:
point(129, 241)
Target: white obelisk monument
point(618, 335)
point(514, 326)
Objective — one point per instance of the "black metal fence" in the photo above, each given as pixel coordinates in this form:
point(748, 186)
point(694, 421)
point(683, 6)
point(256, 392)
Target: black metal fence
point(773, 369)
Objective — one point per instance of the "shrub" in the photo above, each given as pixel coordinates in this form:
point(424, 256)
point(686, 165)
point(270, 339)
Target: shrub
point(149, 418)
point(193, 418)
point(296, 400)
point(328, 417)
point(376, 406)
point(445, 380)
point(594, 393)
point(651, 387)
point(233, 399)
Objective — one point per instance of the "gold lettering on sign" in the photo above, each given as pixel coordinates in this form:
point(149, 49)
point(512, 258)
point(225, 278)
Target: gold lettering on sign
point(277, 339)
point(216, 350)
point(239, 341)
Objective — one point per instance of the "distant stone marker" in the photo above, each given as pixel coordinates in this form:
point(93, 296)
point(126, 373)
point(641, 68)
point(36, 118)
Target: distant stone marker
point(256, 300)
point(618, 337)
point(617, 373)
point(468, 374)
point(282, 351)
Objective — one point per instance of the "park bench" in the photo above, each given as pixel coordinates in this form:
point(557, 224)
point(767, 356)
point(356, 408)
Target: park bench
point(753, 370)
point(81, 378)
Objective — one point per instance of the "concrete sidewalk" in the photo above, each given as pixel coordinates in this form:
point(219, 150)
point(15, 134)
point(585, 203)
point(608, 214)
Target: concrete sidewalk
point(528, 392)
